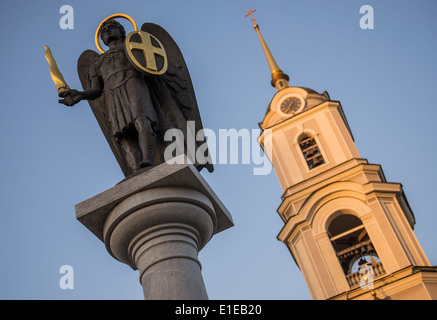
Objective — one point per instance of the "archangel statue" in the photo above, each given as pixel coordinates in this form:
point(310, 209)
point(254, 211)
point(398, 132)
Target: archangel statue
point(138, 89)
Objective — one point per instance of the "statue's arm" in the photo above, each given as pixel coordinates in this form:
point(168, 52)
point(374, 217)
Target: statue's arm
point(70, 98)
point(94, 91)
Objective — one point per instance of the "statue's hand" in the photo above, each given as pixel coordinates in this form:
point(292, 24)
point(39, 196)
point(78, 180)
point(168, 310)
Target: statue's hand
point(71, 97)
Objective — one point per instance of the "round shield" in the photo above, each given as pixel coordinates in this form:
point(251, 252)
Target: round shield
point(146, 53)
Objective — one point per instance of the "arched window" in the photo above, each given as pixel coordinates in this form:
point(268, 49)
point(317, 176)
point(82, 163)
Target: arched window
point(353, 247)
point(311, 151)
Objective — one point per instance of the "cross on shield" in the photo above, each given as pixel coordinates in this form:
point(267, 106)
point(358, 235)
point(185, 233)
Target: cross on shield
point(146, 53)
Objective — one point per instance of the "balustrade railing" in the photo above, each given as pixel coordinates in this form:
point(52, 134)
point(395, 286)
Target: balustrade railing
point(354, 279)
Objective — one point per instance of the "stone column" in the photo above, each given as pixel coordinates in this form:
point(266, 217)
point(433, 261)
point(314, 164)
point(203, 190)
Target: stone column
point(157, 222)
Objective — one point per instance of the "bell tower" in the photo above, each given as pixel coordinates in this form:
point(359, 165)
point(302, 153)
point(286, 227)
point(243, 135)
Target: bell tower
point(349, 230)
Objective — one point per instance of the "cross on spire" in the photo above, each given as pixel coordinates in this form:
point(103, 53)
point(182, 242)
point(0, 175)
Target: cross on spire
point(250, 13)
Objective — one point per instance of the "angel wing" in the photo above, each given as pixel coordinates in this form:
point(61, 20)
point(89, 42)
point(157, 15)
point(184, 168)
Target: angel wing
point(86, 60)
point(174, 92)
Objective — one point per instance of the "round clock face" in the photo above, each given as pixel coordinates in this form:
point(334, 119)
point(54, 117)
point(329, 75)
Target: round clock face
point(290, 105)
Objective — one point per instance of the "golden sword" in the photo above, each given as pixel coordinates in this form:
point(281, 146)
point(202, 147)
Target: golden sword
point(56, 75)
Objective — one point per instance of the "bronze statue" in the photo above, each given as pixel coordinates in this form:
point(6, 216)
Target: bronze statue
point(134, 108)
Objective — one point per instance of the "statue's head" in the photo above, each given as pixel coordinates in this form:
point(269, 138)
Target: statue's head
point(111, 29)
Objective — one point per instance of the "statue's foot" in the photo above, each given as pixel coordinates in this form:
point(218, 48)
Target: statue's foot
point(146, 163)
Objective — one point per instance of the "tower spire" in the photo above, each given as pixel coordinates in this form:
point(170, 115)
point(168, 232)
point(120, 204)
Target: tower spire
point(279, 78)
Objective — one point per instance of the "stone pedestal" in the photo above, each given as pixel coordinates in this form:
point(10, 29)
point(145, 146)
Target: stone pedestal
point(157, 222)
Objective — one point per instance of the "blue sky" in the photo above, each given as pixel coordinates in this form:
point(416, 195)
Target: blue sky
point(54, 157)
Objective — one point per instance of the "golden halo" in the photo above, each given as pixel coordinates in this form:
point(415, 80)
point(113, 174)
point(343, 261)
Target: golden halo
point(117, 15)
